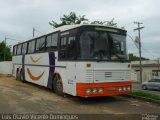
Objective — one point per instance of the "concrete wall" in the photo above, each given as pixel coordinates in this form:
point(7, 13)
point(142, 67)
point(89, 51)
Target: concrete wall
point(147, 73)
point(6, 67)
point(145, 62)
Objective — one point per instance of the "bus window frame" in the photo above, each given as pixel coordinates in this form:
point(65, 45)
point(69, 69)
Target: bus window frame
point(20, 49)
point(14, 52)
point(35, 39)
point(64, 50)
point(34, 47)
point(26, 47)
point(44, 48)
point(92, 28)
point(51, 48)
point(71, 33)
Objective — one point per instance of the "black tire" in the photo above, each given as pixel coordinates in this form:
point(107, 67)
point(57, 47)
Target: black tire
point(144, 87)
point(22, 77)
point(58, 86)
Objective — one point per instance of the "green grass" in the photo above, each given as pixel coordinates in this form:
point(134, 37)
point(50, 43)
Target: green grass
point(145, 95)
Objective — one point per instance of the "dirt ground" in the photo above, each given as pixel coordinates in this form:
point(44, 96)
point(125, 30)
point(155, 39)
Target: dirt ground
point(26, 98)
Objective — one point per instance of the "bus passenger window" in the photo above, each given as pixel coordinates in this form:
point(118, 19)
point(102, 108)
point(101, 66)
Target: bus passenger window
point(40, 44)
point(49, 41)
point(31, 47)
point(52, 41)
point(15, 50)
point(19, 49)
point(63, 46)
point(63, 43)
point(71, 46)
point(24, 48)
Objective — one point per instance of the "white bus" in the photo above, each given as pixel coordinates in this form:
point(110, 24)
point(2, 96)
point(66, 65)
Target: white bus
point(80, 60)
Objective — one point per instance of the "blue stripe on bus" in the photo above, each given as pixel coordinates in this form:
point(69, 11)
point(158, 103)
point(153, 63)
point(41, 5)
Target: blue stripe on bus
point(51, 69)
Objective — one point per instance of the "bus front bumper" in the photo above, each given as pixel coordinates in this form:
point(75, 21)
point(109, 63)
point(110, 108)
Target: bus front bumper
point(103, 89)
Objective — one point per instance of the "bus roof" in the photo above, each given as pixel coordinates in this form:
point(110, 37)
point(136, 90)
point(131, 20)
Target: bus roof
point(68, 27)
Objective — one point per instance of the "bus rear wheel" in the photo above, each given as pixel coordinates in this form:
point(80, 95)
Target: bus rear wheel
point(58, 86)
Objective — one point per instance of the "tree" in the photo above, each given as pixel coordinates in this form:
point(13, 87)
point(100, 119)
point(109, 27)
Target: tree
point(107, 23)
point(135, 58)
point(70, 19)
point(5, 52)
point(111, 23)
point(99, 22)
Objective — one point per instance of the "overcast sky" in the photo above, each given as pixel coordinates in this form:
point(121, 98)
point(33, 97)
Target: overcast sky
point(17, 18)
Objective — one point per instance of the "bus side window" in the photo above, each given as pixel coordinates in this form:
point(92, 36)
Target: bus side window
point(19, 49)
point(48, 41)
point(24, 48)
point(71, 47)
point(31, 47)
point(52, 40)
point(63, 48)
point(15, 50)
point(40, 44)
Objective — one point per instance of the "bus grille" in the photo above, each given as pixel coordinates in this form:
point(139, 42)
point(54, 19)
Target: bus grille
point(107, 75)
point(89, 75)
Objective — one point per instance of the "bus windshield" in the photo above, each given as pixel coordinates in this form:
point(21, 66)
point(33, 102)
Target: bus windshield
point(101, 45)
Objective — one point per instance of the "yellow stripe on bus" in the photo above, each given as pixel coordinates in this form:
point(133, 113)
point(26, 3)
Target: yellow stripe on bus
point(35, 60)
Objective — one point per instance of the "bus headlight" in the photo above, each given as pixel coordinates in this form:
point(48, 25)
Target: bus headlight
point(94, 90)
point(88, 90)
point(100, 90)
point(124, 88)
point(129, 88)
point(120, 88)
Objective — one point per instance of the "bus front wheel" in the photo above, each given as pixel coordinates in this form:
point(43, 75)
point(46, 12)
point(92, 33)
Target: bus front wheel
point(58, 86)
